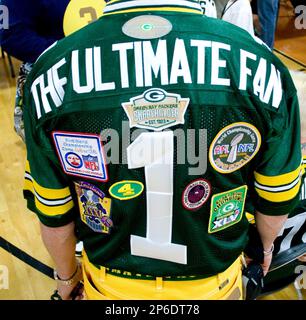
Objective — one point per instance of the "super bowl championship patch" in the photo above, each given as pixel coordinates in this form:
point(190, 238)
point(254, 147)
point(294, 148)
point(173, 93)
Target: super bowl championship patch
point(226, 209)
point(95, 208)
point(196, 194)
point(81, 155)
point(234, 146)
point(156, 109)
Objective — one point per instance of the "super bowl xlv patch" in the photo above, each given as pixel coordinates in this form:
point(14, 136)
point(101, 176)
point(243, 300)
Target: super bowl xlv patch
point(126, 190)
point(95, 208)
point(234, 146)
point(226, 209)
point(196, 194)
point(81, 155)
point(156, 109)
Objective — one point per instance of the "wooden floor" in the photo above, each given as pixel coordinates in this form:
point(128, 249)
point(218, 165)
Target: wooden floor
point(20, 227)
point(289, 39)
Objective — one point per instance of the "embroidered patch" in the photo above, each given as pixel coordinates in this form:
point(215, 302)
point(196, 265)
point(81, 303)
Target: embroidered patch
point(196, 194)
point(226, 209)
point(81, 155)
point(94, 207)
point(234, 146)
point(156, 109)
point(147, 27)
point(125, 190)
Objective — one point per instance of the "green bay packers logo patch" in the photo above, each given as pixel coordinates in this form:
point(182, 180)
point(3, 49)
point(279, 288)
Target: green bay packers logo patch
point(226, 209)
point(147, 27)
point(94, 207)
point(156, 109)
point(234, 146)
point(125, 190)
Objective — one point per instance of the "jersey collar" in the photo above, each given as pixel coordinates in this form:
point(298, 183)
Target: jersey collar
point(124, 6)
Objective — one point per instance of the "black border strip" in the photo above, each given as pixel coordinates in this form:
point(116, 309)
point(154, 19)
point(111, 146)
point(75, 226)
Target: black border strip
point(26, 258)
point(290, 58)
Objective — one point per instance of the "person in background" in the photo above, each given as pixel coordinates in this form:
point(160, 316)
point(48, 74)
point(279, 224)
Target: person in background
point(239, 12)
point(34, 25)
point(267, 11)
point(220, 5)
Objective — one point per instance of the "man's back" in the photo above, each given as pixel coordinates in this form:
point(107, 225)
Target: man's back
point(168, 201)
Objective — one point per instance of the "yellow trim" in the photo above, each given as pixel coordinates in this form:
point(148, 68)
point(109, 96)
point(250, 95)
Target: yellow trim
point(110, 287)
point(274, 181)
point(279, 196)
point(154, 9)
point(28, 185)
point(48, 210)
point(218, 135)
point(113, 1)
point(250, 217)
point(54, 211)
point(48, 193)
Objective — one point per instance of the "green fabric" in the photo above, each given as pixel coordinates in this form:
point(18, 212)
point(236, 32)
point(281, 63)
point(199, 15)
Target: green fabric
point(211, 107)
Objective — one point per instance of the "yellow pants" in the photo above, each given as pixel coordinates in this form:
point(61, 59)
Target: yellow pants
point(100, 285)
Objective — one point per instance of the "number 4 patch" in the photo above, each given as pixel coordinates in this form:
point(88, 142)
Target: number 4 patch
point(125, 190)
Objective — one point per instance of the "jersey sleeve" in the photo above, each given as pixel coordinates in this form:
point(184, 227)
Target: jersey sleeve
point(46, 188)
point(278, 176)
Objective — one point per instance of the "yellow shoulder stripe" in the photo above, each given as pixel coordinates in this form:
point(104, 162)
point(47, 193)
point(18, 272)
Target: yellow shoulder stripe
point(47, 192)
point(54, 211)
point(274, 181)
point(45, 209)
point(279, 196)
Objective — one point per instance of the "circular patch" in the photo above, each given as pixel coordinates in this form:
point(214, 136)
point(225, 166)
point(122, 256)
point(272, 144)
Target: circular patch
point(234, 146)
point(126, 190)
point(196, 194)
point(147, 27)
point(74, 160)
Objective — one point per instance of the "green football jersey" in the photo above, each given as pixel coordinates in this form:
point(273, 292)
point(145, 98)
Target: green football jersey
point(150, 128)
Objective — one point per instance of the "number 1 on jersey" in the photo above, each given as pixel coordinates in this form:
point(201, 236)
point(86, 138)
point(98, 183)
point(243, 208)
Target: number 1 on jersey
point(155, 151)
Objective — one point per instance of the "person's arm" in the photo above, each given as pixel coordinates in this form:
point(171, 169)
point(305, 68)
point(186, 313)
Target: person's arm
point(277, 177)
point(60, 243)
point(23, 38)
point(268, 228)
